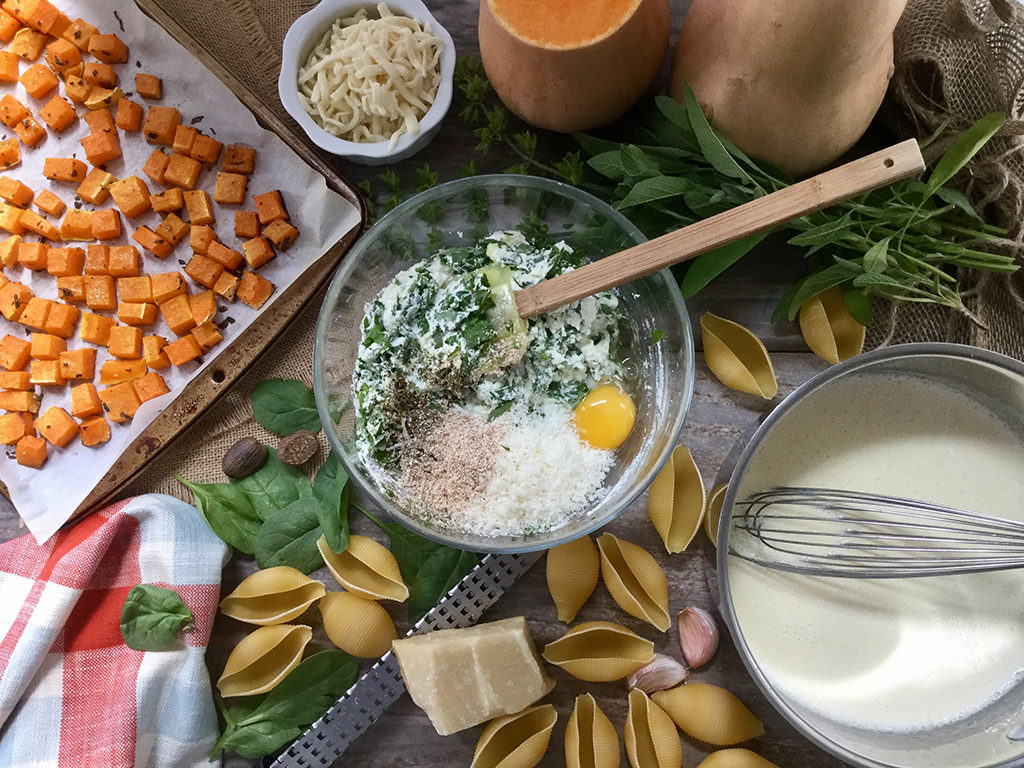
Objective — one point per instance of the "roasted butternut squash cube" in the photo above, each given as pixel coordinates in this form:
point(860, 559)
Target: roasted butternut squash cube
point(9, 67)
point(152, 242)
point(27, 44)
point(31, 450)
point(77, 89)
point(106, 224)
point(270, 206)
point(149, 386)
point(204, 306)
point(167, 285)
point(64, 261)
point(136, 313)
point(14, 297)
point(9, 251)
point(156, 166)
point(99, 74)
point(64, 58)
point(71, 288)
point(85, 402)
point(184, 138)
point(169, 200)
point(101, 121)
point(247, 225)
point(201, 237)
point(78, 364)
point(60, 25)
point(46, 346)
point(114, 371)
point(8, 27)
point(13, 427)
point(97, 259)
point(61, 320)
point(226, 285)
point(38, 80)
point(206, 149)
point(50, 204)
point(16, 380)
point(33, 222)
point(125, 342)
point(35, 313)
point(120, 402)
point(203, 270)
point(254, 289)
point(160, 125)
point(38, 14)
point(20, 402)
point(12, 111)
point(10, 219)
point(124, 261)
point(64, 169)
point(200, 210)
point(226, 257)
point(182, 171)
point(230, 188)
point(77, 225)
point(45, 373)
point(79, 33)
point(57, 426)
point(14, 355)
point(15, 192)
point(172, 229)
point(131, 195)
point(183, 350)
point(95, 328)
point(29, 132)
point(149, 86)
point(33, 255)
point(129, 116)
point(239, 158)
point(95, 187)
point(108, 48)
point(10, 153)
point(100, 292)
point(207, 335)
point(257, 252)
point(58, 114)
point(177, 313)
point(153, 352)
point(94, 431)
point(135, 289)
point(101, 148)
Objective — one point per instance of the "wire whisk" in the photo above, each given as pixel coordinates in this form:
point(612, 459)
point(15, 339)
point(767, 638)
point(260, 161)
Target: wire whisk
point(850, 534)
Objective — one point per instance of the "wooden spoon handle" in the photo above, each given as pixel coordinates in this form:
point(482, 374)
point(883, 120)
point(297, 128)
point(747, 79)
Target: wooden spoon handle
point(899, 161)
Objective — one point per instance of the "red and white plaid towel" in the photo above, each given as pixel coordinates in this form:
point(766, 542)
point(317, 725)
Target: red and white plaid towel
point(72, 694)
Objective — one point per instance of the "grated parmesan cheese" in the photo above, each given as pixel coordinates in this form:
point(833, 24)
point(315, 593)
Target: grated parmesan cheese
point(371, 80)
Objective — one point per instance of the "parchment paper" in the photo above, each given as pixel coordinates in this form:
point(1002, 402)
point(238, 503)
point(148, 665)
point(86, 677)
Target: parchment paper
point(45, 498)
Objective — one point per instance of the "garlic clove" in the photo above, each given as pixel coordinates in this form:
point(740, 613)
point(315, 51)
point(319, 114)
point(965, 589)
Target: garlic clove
point(698, 635)
point(660, 674)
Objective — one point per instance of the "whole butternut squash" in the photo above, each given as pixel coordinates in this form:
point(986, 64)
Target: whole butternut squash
point(793, 82)
point(572, 66)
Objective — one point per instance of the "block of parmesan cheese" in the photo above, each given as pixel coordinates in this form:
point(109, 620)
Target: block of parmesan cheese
point(463, 677)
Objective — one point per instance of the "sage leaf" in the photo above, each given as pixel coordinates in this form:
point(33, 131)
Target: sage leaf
point(859, 304)
point(710, 265)
point(877, 257)
point(608, 164)
point(284, 406)
point(963, 149)
point(636, 164)
point(289, 536)
point(655, 188)
point(282, 714)
point(958, 200)
point(228, 511)
point(815, 283)
point(710, 145)
point(152, 617)
point(331, 489)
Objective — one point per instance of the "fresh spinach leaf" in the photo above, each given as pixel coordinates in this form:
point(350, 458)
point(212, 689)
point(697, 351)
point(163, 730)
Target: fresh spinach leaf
point(229, 511)
point(331, 489)
point(152, 617)
point(283, 713)
point(284, 406)
point(273, 486)
point(289, 536)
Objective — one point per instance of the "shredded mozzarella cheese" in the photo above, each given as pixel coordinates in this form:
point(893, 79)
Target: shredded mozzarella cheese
point(371, 80)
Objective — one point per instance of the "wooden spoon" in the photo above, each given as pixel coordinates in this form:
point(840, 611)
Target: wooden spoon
point(898, 162)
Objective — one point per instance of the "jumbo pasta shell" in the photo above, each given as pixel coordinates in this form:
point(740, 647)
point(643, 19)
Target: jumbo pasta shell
point(572, 572)
point(590, 738)
point(736, 758)
point(263, 658)
point(516, 741)
point(365, 568)
point(356, 625)
point(709, 714)
point(272, 596)
point(635, 580)
point(599, 651)
point(675, 501)
point(713, 512)
point(737, 357)
point(828, 327)
point(652, 740)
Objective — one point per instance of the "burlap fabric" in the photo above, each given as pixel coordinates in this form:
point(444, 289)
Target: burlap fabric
point(956, 61)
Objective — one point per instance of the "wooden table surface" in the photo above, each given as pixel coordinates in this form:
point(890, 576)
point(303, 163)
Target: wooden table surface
point(715, 429)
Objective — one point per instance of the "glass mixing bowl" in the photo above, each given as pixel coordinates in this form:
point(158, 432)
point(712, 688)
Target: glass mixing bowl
point(655, 334)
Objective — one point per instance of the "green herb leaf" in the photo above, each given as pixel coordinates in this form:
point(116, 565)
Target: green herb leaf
point(228, 510)
point(281, 716)
point(656, 188)
point(331, 490)
point(963, 149)
point(284, 406)
point(711, 146)
point(859, 305)
point(657, 336)
point(499, 409)
point(273, 486)
point(152, 617)
point(815, 283)
point(877, 257)
point(710, 265)
point(289, 536)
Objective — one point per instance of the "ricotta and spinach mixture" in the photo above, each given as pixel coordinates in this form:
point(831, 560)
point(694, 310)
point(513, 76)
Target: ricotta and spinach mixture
point(462, 410)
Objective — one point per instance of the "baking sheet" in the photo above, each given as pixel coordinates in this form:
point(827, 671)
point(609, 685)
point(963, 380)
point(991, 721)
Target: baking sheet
point(321, 215)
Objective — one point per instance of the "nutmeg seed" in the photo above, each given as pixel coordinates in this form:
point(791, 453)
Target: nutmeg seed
point(698, 635)
point(244, 458)
point(297, 448)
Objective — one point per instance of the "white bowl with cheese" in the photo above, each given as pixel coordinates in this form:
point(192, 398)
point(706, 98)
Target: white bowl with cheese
point(307, 32)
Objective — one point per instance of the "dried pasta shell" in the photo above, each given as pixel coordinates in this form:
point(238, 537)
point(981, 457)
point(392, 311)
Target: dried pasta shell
point(572, 571)
point(737, 357)
point(516, 741)
point(675, 501)
point(590, 738)
point(599, 651)
point(713, 513)
point(736, 758)
point(366, 568)
point(828, 327)
point(272, 596)
point(709, 714)
point(357, 625)
point(652, 740)
point(635, 580)
point(263, 658)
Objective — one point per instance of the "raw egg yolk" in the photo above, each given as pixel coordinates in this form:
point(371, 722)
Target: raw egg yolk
point(605, 417)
